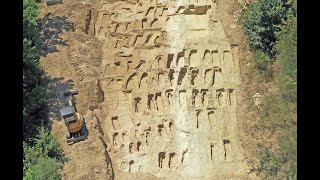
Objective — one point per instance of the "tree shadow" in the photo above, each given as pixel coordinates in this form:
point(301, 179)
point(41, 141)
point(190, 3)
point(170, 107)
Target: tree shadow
point(57, 88)
point(50, 29)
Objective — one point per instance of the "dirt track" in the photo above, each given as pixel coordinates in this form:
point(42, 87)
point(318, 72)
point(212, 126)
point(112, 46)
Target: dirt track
point(148, 117)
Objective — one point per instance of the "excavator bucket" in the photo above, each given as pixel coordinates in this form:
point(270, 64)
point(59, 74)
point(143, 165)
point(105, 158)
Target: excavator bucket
point(70, 92)
point(53, 2)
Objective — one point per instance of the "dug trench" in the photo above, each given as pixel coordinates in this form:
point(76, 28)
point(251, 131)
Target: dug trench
point(107, 157)
point(158, 92)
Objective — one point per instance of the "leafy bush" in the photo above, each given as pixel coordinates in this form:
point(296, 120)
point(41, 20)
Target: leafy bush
point(281, 164)
point(35, 110)
point(262, 63)
point(280, 109)
point(269, 162)
point(31, 72)
point(261, 23)
point(30, 27)
point(42, 156)
point(48, 144)
point(45, 152)
point(261, 60)
point(287, 57)
point(30, 155)
point(277, 113)
point(35, 93)
point(45, 168)
point(288, 153)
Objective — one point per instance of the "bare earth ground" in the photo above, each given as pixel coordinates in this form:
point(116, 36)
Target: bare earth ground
point(162, 85)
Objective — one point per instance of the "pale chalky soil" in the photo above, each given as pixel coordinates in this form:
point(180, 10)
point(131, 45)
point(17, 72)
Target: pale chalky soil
point(169, 86)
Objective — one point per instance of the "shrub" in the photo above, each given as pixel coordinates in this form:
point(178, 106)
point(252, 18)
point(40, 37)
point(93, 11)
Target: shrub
point(261, 60)
point(45, 168)
point(35, 94)
point(277, 113)
point(30, 26)
point(262, 63)
point(287, 57)
point(269, 163)
point(30, 155)
point(288, 153)
point(42, 156)
point(45, 152)
point(35, 114)
point(48, 144)
point(261, 23)
point(281, 164)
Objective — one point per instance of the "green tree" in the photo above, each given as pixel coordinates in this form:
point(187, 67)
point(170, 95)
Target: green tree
point(35, 93)
point(42, 156)
point(30, 26)
point(35, 111)
point(48, 144)
point(45, 168)
point(46, 150)
point(261, 23)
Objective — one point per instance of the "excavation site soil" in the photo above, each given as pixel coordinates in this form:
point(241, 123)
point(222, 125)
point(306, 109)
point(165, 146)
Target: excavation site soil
point(158, 84)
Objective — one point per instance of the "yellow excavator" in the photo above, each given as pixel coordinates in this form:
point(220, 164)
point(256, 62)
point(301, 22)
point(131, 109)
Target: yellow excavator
point(75, 125)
